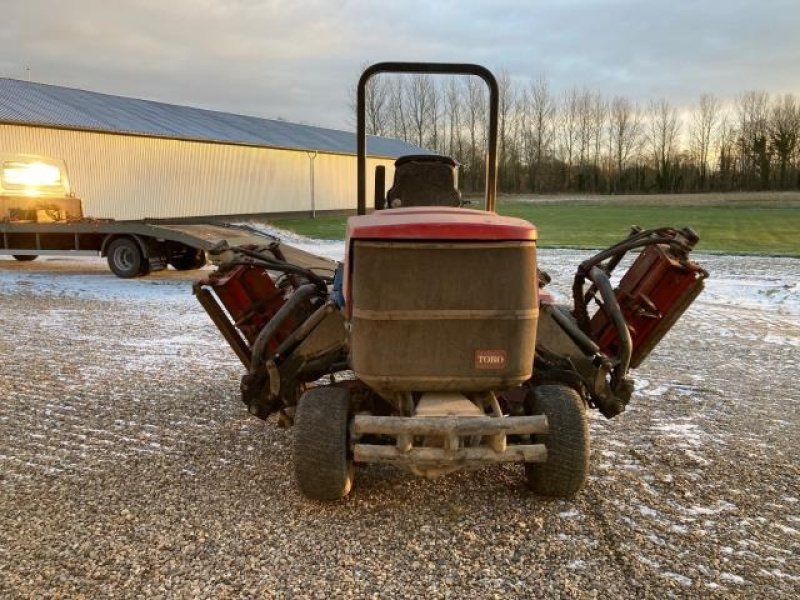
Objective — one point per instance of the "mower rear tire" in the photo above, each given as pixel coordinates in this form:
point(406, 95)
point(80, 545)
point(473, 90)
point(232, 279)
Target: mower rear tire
point(323, 465)
point(567, 443)
point(25, 257)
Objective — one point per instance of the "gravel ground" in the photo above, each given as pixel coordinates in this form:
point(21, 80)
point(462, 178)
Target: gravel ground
point(129, 468)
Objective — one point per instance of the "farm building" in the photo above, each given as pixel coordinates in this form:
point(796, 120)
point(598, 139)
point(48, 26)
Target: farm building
point(132, 159)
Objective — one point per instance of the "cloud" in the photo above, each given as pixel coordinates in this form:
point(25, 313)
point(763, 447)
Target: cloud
point(298, 60)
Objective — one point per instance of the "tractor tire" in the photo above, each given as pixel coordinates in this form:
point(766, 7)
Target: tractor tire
point(25, 257)
point(125, 258)
point(188, 260)
point(564, 473)
point(323, 466)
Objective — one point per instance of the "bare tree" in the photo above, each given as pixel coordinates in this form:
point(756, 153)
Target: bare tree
point(589, 113)
point(568, 128)
point(453, 101)
point(624, 134)
point(476, 124)
point(663, 128)
point(539, 129)
point(435, 138)
point(397, 120)
point(376, 105)
point(704, 122)
point(726, 151)
point(418, 100)
point(583, 108)
point(784, 130)
point(514, 162)
point(598, 114)
point(506, 107)
point(752, 111)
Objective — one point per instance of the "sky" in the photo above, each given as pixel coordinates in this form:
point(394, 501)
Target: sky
point(299, 60)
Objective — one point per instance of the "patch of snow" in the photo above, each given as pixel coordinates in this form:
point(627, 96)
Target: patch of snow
point(679, 529)
point(649, 562)
point(333, 249)
point(697, 458)
point(97, 286)
point(649, 512)
point(787, 530)
point(732, 578)
point(680, 429)
point(722, 506)
point(659, 390)
point(682, 579)
point(779, 574)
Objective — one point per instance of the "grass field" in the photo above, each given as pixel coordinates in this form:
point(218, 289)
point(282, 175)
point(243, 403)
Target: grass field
point(759, 223)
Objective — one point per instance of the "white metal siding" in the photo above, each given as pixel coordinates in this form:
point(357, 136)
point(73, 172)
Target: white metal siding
point(130, 177)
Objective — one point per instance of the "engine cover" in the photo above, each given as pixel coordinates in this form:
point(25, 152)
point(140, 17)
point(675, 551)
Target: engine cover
point(441, 299)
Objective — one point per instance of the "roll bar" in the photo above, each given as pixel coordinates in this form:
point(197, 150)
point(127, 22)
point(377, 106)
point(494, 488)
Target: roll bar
point(436, 69)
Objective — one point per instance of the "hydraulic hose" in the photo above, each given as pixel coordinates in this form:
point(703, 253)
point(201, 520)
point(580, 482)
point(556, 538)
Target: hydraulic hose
point(584, 341)
point(279, 265)
point(301, 294)
point(611, 308)
point(639, 240)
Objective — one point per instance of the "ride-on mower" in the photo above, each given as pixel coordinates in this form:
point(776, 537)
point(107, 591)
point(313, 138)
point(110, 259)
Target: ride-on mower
point(434, 345)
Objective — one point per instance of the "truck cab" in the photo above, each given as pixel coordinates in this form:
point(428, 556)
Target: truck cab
point(36, 189)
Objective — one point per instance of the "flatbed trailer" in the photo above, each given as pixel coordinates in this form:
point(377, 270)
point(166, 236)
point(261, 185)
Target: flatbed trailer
point(136, 248)
point(41, 215)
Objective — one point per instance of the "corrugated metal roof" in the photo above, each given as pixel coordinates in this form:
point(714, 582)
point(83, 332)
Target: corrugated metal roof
point(24, 102)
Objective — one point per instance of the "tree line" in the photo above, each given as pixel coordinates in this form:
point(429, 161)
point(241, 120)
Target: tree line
point(580, 141)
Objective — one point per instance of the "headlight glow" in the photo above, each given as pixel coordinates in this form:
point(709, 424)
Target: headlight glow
point(31, 174)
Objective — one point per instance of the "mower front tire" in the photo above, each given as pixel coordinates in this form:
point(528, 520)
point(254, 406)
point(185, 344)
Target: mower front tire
point(567, 443)
point(323, 465)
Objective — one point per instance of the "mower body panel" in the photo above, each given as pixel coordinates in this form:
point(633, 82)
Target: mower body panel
point(441, 300)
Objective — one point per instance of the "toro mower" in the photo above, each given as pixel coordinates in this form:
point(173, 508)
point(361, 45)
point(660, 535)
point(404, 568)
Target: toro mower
point(435, 346)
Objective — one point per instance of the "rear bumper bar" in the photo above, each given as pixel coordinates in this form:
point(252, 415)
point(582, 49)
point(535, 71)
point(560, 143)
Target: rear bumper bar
point(369, 453)
point(419, 426)
point(445, 440)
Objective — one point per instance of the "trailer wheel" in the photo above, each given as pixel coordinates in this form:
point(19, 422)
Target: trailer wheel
point(323, 466)
point(25, 257)
point(188, 259)
point(125, 258)
point(567, 466)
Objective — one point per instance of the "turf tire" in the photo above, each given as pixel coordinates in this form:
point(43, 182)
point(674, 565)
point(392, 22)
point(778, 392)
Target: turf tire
point(567, 466)
point(323, 466)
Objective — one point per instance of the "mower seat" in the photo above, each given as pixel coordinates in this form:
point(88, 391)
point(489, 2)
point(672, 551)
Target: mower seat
point(424, 180)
